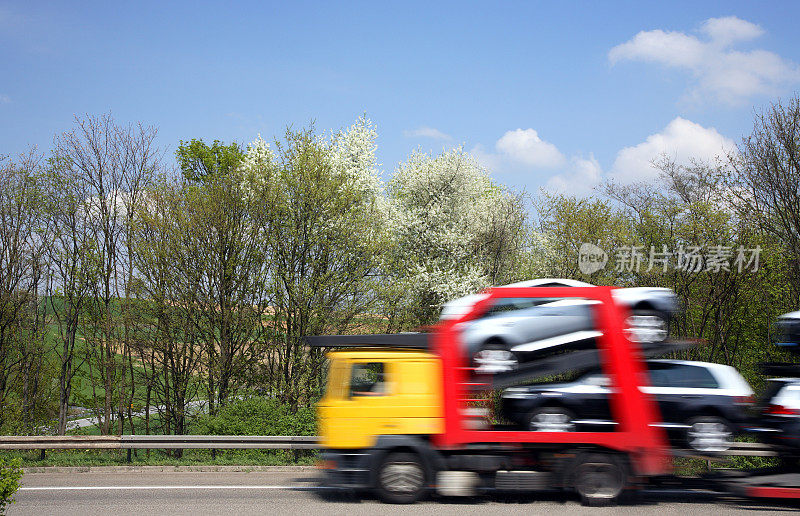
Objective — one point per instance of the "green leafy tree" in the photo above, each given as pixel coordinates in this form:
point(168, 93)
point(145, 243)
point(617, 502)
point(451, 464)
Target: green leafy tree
point(73, 269)
point(198, 161)
point(227, 238)
point(730, 305)
point(566, 222)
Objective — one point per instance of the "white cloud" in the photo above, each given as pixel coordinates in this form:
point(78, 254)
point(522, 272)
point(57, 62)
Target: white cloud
point(728, 30)
point(720, 72)
point(681, 140)
point(524, 146)
point(582, 176)
point(5, 99)
point(427, 132)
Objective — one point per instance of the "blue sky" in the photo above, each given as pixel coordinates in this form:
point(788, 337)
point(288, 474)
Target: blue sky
point(561, 95)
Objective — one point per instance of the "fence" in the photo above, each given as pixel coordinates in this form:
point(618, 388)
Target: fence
point(167, 442)
point(229, 442)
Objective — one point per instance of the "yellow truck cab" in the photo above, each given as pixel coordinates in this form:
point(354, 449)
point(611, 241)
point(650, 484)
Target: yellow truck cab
point(379, 411)
point(374, 392)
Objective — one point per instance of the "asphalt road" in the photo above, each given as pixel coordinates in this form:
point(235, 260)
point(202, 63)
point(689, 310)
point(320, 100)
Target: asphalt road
point(296, 492)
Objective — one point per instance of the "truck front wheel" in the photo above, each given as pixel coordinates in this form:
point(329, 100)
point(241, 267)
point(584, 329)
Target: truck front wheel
point(599, 479)
point(401, 478)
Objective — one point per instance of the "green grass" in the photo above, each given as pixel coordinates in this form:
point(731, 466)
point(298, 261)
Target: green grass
point(685, 467)
point(86, 458)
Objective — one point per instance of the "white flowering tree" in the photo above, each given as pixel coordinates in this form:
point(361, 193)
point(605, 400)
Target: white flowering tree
point(322, 219)
point(457, 231)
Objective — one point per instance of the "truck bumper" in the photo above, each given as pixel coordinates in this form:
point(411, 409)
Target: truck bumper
point(348, 469)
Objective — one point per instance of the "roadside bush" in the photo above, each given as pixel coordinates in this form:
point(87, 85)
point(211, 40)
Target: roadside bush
point(258, 416)
point(10, 473)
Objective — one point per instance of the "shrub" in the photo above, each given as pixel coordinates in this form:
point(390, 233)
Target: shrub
point(257, 416)
point(10, 473)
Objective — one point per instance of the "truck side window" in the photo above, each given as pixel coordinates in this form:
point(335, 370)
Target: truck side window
point(368, 379)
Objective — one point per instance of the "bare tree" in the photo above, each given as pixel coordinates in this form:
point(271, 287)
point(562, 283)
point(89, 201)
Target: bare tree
point(767, 179)
point(23, 235)
point(168, 343)
point(72, 272)
point(112, 163)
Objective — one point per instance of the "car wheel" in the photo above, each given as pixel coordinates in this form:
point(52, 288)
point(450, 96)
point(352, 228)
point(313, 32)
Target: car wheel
point(648, 326)
point(551, 419)
point(709, 434)
point(401, 478)
point(598, 479)
point(494, 357)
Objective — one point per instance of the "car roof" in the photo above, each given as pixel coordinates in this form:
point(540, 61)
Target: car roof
point(709, 365)
point(727, 376)
point(460, 306)
point(547, 281)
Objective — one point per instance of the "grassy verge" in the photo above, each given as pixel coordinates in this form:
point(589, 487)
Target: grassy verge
point(85, 458)
point(686, 467)
point(693, 467)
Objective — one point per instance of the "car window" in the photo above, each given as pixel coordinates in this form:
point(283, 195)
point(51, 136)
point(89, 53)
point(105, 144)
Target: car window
point(368, 379)
point(682, 375)
point(504, 306)
point(659, 377)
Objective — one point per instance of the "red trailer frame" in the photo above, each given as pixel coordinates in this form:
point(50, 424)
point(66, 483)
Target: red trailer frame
point(621, 359)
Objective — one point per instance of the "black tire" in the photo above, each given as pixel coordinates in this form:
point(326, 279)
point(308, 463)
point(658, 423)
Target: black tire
point(401, 478)
point(503, 359)
point(599, 479)
point(551, 419)
point(709, 434)
point(648, 326)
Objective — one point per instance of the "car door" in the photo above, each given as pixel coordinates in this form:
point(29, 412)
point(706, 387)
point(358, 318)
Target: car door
point(596, 390)
point(680, 389)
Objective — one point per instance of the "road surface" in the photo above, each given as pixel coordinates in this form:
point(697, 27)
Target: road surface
point(296, 492)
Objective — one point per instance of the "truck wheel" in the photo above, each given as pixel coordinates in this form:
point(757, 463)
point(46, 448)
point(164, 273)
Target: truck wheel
point(599, 479)
point(551, 419)
point(401, 478)
point(709, 434)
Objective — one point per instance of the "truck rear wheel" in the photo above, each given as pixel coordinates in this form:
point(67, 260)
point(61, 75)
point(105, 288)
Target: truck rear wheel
point(599, 479)
point(401, 478)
